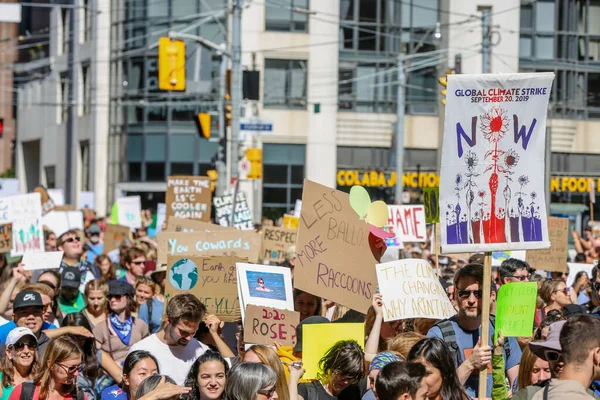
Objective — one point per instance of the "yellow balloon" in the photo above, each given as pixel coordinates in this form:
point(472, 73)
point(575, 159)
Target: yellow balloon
point(377, 214)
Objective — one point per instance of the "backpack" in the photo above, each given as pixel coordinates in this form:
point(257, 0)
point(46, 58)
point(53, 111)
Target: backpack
point(149, 303)
point(28, 389)
point(449, 336)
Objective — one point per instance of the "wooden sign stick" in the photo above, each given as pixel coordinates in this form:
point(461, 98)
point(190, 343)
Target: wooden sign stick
point(485, 319)
point(437, 250)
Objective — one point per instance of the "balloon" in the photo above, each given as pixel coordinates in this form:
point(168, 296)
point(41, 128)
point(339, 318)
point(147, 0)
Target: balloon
point(377, 214)
point(380, 233)
point(360, 200)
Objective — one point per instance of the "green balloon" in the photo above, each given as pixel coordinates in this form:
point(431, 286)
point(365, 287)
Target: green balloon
point(360, 200)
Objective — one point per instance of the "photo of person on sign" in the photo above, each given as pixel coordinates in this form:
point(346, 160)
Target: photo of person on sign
point(261, 286)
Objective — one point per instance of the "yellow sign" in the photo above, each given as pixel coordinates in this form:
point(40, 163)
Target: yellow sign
point(573, 184)
point(382, 179)
point(290, 222)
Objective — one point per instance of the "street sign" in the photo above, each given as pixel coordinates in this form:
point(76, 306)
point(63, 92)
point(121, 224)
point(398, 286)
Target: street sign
point(256, 126)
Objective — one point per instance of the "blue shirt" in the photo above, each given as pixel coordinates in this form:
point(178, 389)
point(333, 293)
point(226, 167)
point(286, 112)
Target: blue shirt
point(10, 325)
point(369, 395)
point(466, 340)
point(94, 251)
point(113, 392)
point(582, 298)
point(157, 312)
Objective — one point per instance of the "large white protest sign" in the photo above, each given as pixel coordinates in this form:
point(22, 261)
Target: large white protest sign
point(87, 200)
point(411, 289)
point(493, 155)
point(9, 187)
point(4, 211)
point(574, 268)
point(61, 221)
point(407, 223)
point(26, 217)
point(130, 211)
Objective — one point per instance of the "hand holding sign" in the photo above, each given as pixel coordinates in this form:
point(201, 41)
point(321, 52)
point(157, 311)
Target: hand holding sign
point(266, 325)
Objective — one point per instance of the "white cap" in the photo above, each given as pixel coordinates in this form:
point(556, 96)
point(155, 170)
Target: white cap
point(16, 334)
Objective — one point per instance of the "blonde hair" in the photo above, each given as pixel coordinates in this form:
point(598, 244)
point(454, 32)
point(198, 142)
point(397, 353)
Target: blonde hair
point(58, 350)
point(403, 342)
point(99, 285)
point(549, 287)
point(144, 280)
point(269, 357)
point(40, 288)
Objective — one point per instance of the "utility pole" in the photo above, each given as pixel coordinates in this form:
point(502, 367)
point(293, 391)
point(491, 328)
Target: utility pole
point(69, 199)
point(220, 165)
point(400, 106)
point(486, 42)
point(236, 85)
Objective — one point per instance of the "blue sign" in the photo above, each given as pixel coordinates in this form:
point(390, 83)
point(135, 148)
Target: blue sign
point(252, 126)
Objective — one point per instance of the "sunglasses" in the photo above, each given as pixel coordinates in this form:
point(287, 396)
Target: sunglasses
point(268, 392)
point(138, 262)
point(565, 291)
point(49, 284)
point(115, 296)
point(72, 239)
point(71, 370)
point(552, 355)
point(465, 294)
point(520, 278)
point(21, 345)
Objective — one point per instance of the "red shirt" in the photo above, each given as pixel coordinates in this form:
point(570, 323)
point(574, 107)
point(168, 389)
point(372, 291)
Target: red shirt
point(16, 394)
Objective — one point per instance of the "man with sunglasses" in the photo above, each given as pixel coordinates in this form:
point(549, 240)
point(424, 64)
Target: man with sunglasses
point(462, 334)
point(70, 243)
point(514, 270)
point(134, 260)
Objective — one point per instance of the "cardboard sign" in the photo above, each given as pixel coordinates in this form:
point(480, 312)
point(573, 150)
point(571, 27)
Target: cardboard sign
point(188, 197)
point(408, 223)
point(26, 217)
point(411, 289)
point(290, 221)
point(5, 238)
point(334, 257)
point(175, 224)
point(114, 235)
point(275, 243)
point(213, 280)
point(431, 202)
point(66, 207)
point(318, 338)
point(515, 309)
point(60, 222)
point(42, 260)
point(47, 202)
point(554, 258)
point(224, 208)
point(234, 243)
point(129, 211)
point(266, 325)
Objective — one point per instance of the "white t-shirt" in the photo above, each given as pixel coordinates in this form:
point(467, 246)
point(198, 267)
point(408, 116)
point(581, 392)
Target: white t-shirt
point(173, 361)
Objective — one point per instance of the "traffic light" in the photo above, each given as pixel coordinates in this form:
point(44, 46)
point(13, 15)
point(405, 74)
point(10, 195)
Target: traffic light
point(171, 64)
point(254, 156)
point(203, 124)
point(213, 175)
point(227, 109)
point(222, 150)
point(444, 82)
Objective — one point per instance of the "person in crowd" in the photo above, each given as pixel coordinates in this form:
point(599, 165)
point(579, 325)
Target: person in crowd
point(209, 333)
point(541, 331)
point(514, 270)
point(290, 259)
point(57, 379)
point(461, 333)
point(134, 261)
point(9, 298)
point(49, 240)
point(46, 292)
point(251, 381)
point(175, 346)
point(564, 275)
point(377, 363)
point(70, 243)
point(151, 311)
point(402, 381)
point(70, 299)
point(120, 330)
point(208, 377)
point(106, 267)
point(339, 368)
point(555, 294)
point(532, 369)
point(28, 311)
point(441, 376)
point(145, 289)
point(403, 342)
point(377, 331)
point(95, 245)
point(306, 304)
point(21, 362)
point(165, 390)
point(51, 278)
point(266, 355)
point(579, 288)
point(151, 383)
point(96, 295)
point(138, 365)
point(11, 288)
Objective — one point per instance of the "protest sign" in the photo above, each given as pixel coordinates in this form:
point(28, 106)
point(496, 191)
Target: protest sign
point(26, 217)
point(175, 224)
point(318, 338)
point(4, 211)
point(61, 221)
point(66, 207)
point(42, 260)
point(267, 325)
point(493, 156)
point(129, 211)
point(515, 309)
point(411, 289)
point(57, 196)
point(213, 280)
point(114, 235)
point(334, 256)
point(297, 208)
point(9, 187)
point(224, 208)
point(554, 258)
point(431, 202)
point(574, 268)
point(161, 216)
point(231, 243)
point(408, 223)
point(275, 242)
point(290, 221)
point(188, 197)
point(47, 203)
point(5, 237)
point(499, 256)
point(87, 200)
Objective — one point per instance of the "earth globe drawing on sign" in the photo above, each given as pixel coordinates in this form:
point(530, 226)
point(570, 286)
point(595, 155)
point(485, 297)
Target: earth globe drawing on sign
point(184, 274)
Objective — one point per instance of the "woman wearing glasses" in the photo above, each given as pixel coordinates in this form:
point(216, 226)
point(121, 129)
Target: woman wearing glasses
point(20, 363)
point(120, 330)
point(58, 376)
point(267, 356)
point(251, 381)
point(555, 294)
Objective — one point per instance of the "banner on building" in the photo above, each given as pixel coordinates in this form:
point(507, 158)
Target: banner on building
point(491, 191)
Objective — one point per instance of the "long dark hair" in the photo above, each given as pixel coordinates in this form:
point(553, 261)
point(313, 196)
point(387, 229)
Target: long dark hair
point(130, 362)
point(192, 377)
point(91, 368)
point(437, 353)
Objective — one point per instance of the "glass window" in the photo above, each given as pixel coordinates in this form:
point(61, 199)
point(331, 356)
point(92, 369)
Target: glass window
point(593, 89)
point(86, 89)
point(284, 154)
point(275, 195)
point(182, 169)
point(155, 172)
point(525, 46)
point(50, 172)
point(134, 172)
point(280, 15)
point(181, 147)
point(365, 87)
point(155, 149)
point(526, 17)
point(134, 147)
point(425, 13)
point(544, 16)
point(544, 48)
point(183, 8)
point(159, 9)
point(297, 174)
point(275, 174)
point(285, 83)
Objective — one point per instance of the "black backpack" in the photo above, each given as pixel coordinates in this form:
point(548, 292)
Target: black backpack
point(28, 389)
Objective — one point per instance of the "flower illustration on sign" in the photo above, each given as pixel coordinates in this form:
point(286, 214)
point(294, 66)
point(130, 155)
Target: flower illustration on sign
point(494, 124)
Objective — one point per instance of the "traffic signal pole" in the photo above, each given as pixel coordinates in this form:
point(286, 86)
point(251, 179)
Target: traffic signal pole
point(400, 109)
point(236, 87)
point(221, 167)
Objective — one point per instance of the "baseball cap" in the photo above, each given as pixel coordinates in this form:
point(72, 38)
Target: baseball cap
point(16, 334)
point(28, 298)
point(316, 319)
point(94, 228)
point(120, 288)
point(71, 277)
point(552, 342)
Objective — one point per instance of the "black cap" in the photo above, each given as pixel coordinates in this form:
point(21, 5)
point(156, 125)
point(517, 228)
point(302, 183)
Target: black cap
point(120, 288)
point(71, 277)
point(573, 310)
point(28, 298)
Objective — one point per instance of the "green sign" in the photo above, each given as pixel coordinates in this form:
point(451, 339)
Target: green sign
point(515, 309)
point(431, 197)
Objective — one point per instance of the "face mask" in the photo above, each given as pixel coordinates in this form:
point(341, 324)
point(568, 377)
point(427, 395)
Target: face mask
point(95, 239)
